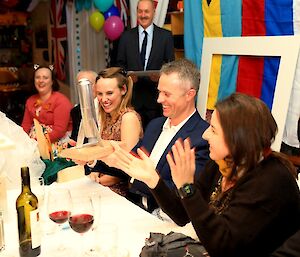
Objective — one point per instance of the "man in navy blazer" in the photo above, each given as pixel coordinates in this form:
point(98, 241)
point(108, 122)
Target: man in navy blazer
point(159, 50)
point(178, 86)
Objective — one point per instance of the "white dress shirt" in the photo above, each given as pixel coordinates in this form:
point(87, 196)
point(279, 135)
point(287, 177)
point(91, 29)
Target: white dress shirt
point(167, 134)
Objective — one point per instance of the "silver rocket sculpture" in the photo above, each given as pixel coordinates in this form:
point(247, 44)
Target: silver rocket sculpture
point(88, 126)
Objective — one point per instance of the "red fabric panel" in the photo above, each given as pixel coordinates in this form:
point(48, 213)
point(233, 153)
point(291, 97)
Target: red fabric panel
point(250, 75)
point(250, 70)
point(253, 18)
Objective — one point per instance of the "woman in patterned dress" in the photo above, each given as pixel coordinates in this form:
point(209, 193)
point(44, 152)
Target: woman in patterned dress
point(118, 122)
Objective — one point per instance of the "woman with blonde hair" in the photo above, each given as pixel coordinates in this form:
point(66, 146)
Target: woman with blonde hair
point(118, 122)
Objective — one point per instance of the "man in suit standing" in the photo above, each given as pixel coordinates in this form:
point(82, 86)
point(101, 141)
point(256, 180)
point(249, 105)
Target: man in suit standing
point(145, 47)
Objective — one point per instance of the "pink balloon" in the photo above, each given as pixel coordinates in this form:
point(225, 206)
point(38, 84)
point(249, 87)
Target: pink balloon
point(113, 27)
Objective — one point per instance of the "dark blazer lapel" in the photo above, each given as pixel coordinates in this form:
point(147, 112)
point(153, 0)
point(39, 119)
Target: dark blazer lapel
point(136, 48)
point(182, 133)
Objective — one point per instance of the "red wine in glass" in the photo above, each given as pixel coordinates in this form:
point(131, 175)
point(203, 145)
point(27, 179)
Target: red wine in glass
point(59, 209)
point(81, 223)
point(59, 217)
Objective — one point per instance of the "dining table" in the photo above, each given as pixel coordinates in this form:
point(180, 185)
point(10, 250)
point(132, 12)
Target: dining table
point(132, 222)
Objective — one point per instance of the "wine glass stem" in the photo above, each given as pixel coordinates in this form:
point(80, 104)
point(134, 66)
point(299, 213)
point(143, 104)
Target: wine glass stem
point(85, 249)
point(60, 233)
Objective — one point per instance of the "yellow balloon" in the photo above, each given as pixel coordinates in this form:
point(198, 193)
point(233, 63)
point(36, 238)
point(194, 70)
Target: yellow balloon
point(97, 20)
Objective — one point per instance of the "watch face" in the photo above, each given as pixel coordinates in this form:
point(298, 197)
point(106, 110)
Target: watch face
point(186, 190)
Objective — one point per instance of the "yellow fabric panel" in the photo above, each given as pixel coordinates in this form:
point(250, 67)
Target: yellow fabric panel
point(214, 81)
point(213, 28)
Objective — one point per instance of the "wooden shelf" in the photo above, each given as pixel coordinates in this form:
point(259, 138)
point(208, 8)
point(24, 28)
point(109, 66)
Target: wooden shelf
point(177, 21)
point(14, 18)
point(179, 53)
point(167, 26)
point(177, 29)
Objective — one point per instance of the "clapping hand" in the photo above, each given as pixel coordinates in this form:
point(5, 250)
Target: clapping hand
point(182, 163)
point(139, 168)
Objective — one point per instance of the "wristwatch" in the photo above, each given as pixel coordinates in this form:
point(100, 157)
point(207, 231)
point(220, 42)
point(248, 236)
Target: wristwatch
point(187, 190)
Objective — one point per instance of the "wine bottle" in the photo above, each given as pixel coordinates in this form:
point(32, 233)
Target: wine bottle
point(28, 219)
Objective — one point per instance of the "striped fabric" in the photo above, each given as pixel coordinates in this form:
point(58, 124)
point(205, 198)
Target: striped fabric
point(251, 75)
point(257, 75)
point(59, 37)
point(217, 19)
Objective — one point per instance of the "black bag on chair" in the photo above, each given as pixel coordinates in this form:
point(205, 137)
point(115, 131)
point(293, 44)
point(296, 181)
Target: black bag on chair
point(172, 245)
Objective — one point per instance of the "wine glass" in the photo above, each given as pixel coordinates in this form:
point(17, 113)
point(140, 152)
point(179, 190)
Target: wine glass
point(59, 207)
point(82, 218)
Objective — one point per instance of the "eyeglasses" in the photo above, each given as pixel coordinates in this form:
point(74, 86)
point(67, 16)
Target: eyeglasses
point(105, 74)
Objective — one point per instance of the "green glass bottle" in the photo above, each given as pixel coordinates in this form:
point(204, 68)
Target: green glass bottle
point(28, 219)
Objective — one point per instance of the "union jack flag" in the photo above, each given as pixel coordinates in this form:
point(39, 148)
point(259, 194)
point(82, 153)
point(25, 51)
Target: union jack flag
point(124, 10)
point(59, 36)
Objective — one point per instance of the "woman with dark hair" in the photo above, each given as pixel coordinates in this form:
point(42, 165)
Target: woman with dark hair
point(246, 201)
point(118, 121)
point(50, 107)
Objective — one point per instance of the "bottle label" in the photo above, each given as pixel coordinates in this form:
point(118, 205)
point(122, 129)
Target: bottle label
point(35, 228)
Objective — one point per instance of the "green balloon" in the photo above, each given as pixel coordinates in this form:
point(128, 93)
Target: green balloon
point(103, 5)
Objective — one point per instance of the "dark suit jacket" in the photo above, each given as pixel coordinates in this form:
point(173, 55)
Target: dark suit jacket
point(144, 95)
point(193, 129)
point(162, 50)
point(76, 119)
point(291, 247)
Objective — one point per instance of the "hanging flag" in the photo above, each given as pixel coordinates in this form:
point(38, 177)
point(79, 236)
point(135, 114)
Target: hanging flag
point(193, 31)
point(279, 21)
point(251, 69)
point(254, 76)
point(213, 19)
point(59, 36)
point(213, 28)
point(124, 11)
point(231, 16)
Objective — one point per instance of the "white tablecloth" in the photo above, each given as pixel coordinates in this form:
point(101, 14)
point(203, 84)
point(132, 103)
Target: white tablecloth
point(133, 223)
